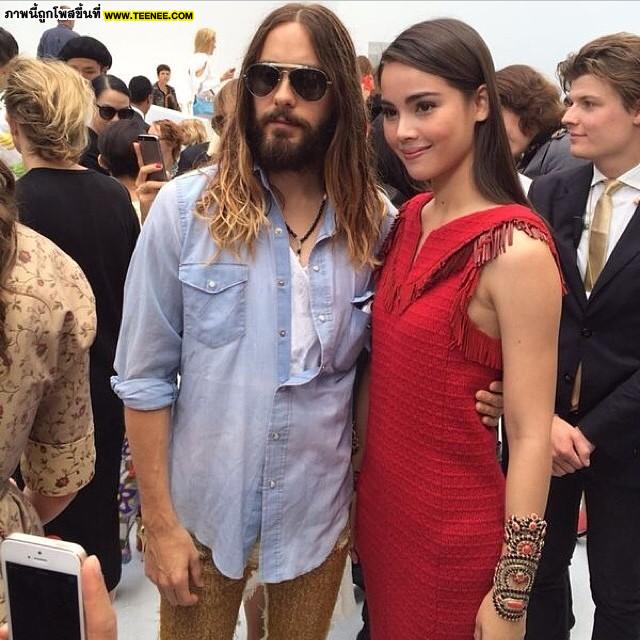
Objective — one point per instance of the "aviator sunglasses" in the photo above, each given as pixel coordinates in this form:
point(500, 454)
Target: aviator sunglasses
point(308, 82)
point(108, 113)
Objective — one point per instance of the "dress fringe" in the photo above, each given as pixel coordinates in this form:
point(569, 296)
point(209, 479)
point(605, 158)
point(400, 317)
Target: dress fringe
point(465, 336)
point(470, 255)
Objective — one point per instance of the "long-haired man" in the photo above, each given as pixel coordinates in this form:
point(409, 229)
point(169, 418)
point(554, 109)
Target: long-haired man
point(251, 286)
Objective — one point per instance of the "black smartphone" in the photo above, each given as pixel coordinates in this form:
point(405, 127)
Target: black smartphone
point(152, 154)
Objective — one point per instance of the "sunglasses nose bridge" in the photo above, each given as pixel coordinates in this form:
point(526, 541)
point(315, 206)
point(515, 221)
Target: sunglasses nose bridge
point(284, 91)
point(106, 113)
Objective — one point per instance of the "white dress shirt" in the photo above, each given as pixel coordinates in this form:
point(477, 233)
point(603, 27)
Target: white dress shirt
point(625, 202)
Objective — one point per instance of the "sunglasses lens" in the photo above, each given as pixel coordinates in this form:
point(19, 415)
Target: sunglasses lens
point(261, 79)
point(309, 84)
point(125, 114)
point(106, 112)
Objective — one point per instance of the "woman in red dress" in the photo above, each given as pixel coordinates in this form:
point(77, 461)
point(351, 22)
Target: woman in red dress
point(470, 291)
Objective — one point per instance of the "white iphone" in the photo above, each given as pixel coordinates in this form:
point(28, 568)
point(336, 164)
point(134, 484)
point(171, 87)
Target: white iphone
point(43, 590)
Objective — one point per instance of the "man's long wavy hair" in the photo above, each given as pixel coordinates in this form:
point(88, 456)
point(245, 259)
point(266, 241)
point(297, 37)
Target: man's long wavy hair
point(234, 200)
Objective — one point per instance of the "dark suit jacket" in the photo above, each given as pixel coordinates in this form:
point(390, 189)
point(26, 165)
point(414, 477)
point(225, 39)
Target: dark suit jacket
point(602, 332)
point(140, 119)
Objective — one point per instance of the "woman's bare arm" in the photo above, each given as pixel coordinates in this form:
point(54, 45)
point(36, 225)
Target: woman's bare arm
point(525, 289)
point(48, 507)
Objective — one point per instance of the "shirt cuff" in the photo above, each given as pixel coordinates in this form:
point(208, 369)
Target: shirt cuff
point(58, 469)
point(145, 394)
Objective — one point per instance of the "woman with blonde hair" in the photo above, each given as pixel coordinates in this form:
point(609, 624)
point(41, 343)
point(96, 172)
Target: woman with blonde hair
point(193, 132)
point(90, 217)
point(170, 135)
point(224, 106)
point(202, 79)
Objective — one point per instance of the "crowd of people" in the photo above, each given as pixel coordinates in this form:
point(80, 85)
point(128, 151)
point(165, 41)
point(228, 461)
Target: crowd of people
point(286, 346)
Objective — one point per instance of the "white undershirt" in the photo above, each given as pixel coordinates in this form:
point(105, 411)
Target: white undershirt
point(625, 202)
point(305, 345)
point(525, 182)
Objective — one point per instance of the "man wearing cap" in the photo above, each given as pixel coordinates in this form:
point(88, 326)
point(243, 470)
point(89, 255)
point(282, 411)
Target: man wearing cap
point(88, 56)
point(53, 40)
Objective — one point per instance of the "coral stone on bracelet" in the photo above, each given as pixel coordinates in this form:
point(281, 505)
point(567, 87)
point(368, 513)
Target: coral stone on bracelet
point(516, 570)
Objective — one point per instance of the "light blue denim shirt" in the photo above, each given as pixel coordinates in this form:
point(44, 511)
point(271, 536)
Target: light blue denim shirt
point(255, 451)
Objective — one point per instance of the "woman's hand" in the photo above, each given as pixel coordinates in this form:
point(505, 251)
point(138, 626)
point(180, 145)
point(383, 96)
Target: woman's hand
point(228, 74)
point(146, 189)
point(47, 507)
point(490, 626)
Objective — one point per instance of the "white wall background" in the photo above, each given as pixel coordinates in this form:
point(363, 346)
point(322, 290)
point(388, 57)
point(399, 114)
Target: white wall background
point(538, 33)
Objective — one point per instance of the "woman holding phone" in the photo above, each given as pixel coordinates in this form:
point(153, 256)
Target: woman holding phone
point(99, 615)
point(112, 104)
point(90, 217)
point(470, 291)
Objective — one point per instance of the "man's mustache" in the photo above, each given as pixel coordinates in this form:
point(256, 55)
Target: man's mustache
point(283, 114)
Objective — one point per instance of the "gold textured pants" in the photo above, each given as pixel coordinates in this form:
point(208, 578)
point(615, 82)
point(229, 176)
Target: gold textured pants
point(298, 609)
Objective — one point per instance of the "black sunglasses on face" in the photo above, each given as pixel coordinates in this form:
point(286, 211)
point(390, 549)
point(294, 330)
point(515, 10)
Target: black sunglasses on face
point(108, 113)
point(308, 82)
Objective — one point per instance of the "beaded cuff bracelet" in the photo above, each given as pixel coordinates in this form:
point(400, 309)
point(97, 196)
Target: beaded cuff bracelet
point(516, 570)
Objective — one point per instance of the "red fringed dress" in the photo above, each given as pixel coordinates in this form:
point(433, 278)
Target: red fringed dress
point(431, 493)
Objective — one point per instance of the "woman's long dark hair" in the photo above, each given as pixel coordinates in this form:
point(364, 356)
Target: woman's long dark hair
point(453, 51)
point(104, 82)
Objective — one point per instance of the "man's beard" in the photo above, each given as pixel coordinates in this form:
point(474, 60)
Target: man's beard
point(277, 152)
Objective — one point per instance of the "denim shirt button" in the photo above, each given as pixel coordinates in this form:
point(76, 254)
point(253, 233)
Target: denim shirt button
point(282, 333)
point(281, 283)
point(211, 284)
point(272, 484)
point(275, 436)
point(322, 318)
point(278, 231)
point(316, 267)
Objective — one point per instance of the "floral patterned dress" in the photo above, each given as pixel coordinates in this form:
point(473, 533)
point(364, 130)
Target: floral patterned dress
point(46, 422)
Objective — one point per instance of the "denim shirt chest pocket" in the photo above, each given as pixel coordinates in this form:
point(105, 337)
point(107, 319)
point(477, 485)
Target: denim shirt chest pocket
point(356, 332)
point(214, 301)
point(361, 315)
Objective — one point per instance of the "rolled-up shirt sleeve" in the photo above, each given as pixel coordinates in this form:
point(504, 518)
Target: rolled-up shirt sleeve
point(150, 340)
point(59, 456)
